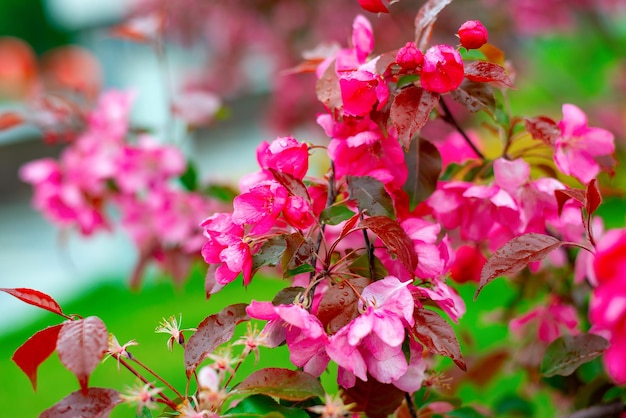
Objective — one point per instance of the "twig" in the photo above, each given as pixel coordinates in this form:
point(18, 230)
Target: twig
point(410, 404)
point(447, 116)
point(606, 410)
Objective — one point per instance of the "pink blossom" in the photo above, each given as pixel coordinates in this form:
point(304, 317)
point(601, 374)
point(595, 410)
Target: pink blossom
point(468, 264)
point(472, 34)
point(360, 92)
point(286, 155)
point(226, 247)
point(550, 321)
point(303, 332)
point(372, 342)
point(444, 296)
point(455, 149)
point(260, 207)
point(298, 213)
point(579, 145)
point(110, 117)
point(442, 70)
point(196, 107)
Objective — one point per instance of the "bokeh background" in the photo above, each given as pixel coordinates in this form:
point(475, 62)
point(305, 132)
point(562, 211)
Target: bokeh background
point(561, 52)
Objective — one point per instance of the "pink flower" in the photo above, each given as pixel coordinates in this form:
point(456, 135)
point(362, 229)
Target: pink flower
point(226, 247)
point(303, 332)
point(550, 321)
point(473, 34)
point(442, 70)
point(372, 342)
point(579, 145)
point(468, 264)
point(284, 154)
point(260, 207)
point(360, 91)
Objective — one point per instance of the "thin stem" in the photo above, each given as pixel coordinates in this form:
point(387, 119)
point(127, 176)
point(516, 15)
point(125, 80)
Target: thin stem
point(158, 377)
point(410, 404)
point(447, 116)
point(239, 363)
point(332, 195)
point(130, 368)
point(370, 251)
point(599, 411)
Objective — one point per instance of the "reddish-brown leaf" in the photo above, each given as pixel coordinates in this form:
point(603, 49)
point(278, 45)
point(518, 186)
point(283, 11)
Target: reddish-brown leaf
point(487, 72)
point(425, 19)
point(395, 239)
point(564, 195)
point(371, 196)
point(35, 351)
point(593, 197)
point(437, 335)
point(328, 90)
point(410, 111)
point(96, 403)
point(299, 251)
point(377, 400)
point(211, 285)
point(285, 384)
point(292, 184)
point(81, 345)
point(543, 128)
point(214, 330)
point(339, 304)
point(565, 354)
point(515, 255)
point(424, 164)
point(349, 225)
point(475, 96)
point(10, 120)
point(35, 297)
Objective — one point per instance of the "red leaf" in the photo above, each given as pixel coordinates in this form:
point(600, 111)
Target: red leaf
point(410, 111)
point(96, 403)
point(214, 330)
point(424, 163)
point(564, 195)
point(515, 255)
point(437, 335)
point(543, 128)
point(328, 90)
point(81, 345)
point(487, 72)
point(395, 239)
point(593, 197)
point(35, 351)
point(299, 251)
point(349, 225)
point(339, 304)
point(377, 400)
point(293, 185)
point(475, 96)
point(425, 19)
point(10, 120)
point(285, 384)
point(35, 297)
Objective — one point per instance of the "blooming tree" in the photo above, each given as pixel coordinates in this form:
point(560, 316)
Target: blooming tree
point(372, 250)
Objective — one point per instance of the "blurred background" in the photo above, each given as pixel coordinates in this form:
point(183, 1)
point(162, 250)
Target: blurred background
point(240, 51)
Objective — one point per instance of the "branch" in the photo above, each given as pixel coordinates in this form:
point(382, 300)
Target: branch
point(607, 410)
point(447, 116)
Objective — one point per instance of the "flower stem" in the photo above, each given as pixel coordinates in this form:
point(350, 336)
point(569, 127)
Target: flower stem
point(158, 377)
point(130, 368)
point(447, 116)
point(410, 404)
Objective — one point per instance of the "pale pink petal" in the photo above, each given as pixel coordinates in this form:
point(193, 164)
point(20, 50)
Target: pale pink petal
point(511, 175)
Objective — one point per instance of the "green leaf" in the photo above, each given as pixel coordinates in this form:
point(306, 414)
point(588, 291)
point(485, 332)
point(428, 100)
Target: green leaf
point(263, 406)
point(189, 178)
point(465, 412)
point(144, 413)
point(305, 268)
point(405, 80)
point(568, 352)
point(513, 405)
point(371, 196)
point(282, 383)
point(221, 192)
point(334, 215)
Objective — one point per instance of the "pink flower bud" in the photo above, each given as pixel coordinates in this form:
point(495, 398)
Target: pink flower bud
point(409, 57)
point(473, 34)
point(442, 70)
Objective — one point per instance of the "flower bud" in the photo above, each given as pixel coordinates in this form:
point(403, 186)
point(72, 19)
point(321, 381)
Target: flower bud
point(472, 34)
point(442, 70)
point(409, 57)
